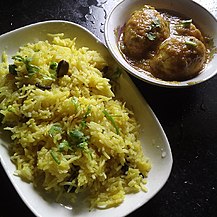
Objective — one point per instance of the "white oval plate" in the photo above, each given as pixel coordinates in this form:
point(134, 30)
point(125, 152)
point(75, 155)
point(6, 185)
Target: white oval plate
point(154, 140)
point(121, 13)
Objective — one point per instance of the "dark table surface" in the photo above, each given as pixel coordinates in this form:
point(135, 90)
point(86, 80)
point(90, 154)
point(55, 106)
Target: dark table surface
point(188, 116)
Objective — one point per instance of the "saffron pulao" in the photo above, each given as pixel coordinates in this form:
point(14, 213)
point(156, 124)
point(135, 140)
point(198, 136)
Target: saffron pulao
point(69, 132)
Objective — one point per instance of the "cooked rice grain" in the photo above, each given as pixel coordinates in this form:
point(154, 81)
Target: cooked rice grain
point(70, 134)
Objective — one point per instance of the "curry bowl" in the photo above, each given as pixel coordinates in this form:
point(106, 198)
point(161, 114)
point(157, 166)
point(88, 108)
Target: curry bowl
point(118, 21)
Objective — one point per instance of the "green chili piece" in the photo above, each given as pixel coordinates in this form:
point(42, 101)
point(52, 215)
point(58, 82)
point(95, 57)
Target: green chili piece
point(76, 135)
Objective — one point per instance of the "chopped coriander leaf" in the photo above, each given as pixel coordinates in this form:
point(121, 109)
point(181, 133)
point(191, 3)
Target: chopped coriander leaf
point(54, 130)
point(83, 122)
point(151, 36)
point(80, 141)
point(64, 146)
point(78, 138)
point(82, 145)
point(76, 134)
point(87, 112)
point(31, 69)
point(27, 60)
point(110, 118)
point(54, 156)
point(75, 103)
point(156, 24)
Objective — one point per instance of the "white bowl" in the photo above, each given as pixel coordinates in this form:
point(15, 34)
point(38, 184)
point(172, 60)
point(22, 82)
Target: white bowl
point(121, 13)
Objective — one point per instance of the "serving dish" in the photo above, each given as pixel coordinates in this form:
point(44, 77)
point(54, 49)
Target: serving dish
point(153, 138)
point(190, 9)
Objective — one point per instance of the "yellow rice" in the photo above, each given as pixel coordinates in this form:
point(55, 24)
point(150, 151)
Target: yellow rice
point(108, 162)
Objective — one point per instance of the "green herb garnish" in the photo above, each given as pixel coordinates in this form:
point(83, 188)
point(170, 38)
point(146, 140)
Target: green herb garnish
point(78, 139)
point(53, 65)
point(155, 24)
point(54, 156)
point(75, 103)
point(110, 118)
point(64, 146)
point(191, 43)
point(18, 58)
point(82, 145)
point(186, 23)
point(83, 122)
point(54, 130)
point(31, 69)
point(151, 36)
